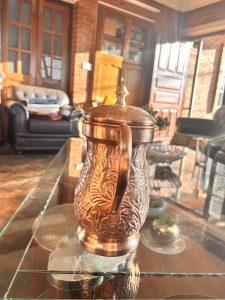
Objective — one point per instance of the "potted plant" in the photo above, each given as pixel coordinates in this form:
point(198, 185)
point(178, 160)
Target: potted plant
point(161, 122)
point(164, 230)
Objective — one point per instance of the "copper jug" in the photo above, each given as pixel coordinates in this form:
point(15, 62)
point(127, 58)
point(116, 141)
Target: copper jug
point(112, 194)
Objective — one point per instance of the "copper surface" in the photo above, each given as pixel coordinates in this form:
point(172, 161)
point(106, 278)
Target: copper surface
point(95, 193)
point(111, 197)
point(110, 247)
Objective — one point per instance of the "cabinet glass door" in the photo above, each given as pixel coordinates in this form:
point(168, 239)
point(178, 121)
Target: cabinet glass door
point(137, 44)
point(114, 32)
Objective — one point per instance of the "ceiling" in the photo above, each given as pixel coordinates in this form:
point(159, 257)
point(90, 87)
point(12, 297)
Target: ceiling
point(180, 5)
point(186, 5)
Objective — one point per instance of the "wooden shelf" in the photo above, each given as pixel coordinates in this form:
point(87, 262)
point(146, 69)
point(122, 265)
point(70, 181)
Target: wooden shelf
point(136, 44)
point(113, 39)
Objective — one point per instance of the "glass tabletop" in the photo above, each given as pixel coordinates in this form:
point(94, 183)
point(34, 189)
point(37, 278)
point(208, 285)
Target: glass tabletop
point(41, 256)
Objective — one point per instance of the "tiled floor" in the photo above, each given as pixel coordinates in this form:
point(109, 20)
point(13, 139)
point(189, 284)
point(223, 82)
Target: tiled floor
point(18, 175)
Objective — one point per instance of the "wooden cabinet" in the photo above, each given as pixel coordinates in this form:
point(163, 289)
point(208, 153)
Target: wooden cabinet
point(122, 35)
point(35, 39)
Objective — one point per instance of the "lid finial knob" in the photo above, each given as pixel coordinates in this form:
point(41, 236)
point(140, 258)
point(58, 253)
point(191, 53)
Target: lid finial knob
point(121, 93)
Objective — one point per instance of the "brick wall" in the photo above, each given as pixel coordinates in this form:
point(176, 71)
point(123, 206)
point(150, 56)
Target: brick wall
point(82, 48)
point(209, 76)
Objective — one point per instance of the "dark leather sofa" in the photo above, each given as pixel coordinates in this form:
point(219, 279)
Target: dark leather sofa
point(30, 131)
point(190, 129)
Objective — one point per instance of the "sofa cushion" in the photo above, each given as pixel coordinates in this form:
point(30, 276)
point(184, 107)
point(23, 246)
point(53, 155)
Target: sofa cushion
point(45, 116)
point(26, 92)
point(43, 101)
point(49, 126)
point(43, 108)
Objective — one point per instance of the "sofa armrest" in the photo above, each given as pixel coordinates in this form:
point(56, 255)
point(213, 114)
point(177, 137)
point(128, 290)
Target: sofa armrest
point(71, 114)
point(19, 116)
point(76, 114)
point(196, 126)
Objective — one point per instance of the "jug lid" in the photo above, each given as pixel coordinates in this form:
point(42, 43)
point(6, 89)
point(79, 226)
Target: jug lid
point(102, 122)
point(120, 112)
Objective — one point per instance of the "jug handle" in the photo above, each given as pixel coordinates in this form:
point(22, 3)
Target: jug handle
point(124, 166)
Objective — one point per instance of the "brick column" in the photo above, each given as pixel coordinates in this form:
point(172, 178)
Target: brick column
point(82, 49)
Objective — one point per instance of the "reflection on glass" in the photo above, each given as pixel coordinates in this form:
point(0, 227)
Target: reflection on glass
point(25, 38)
point(58, 21)
point(56, 74)
point(45, 73)
point(114, 30)
point(26, 13)
point(25, 63)
point(13, 9)
point(47, 18)
point(12, 57)
point(136, 44)
point(46, 67)
point(58, 45)
point(46, 61)
point(46, 43)
point(13, 36)
point(57, 63)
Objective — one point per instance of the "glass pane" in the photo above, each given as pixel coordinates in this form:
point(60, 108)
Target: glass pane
point(114, 30)
point(56, 74)
point(46, 62)
point(13, 36)
point(46, 46)
point(26, 13)
point(13, 10)
point(57, 64)
point(58, 45)
point(137, 44)
point(25, 63)
point(12, 61)
point(58, 21)
point(47, 18)
point(25, 38)
point(46, 67)
point(45, 73)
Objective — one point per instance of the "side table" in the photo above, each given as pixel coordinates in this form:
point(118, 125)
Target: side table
point(161, 175)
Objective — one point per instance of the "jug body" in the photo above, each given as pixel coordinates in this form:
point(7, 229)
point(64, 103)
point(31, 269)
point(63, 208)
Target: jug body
point(100, 231)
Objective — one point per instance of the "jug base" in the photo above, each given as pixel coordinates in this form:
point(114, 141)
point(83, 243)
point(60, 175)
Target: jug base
point(111, 247)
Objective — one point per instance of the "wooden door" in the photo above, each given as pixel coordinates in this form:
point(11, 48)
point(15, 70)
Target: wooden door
point(168, 82)
point(53, 20)
point(19, 40)
point(107, 74)
point(35, 39)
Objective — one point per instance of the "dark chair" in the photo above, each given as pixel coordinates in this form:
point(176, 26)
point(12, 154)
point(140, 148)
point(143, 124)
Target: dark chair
point(189, 130)
point(45, 129)
point(215, 199)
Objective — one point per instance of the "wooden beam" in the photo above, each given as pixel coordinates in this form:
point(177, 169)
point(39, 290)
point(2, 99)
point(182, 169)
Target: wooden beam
point(126, 11)
point(143, 5)
point(204, 29)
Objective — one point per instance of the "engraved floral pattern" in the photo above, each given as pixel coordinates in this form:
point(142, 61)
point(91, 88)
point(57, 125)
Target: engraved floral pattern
point(94, 194)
